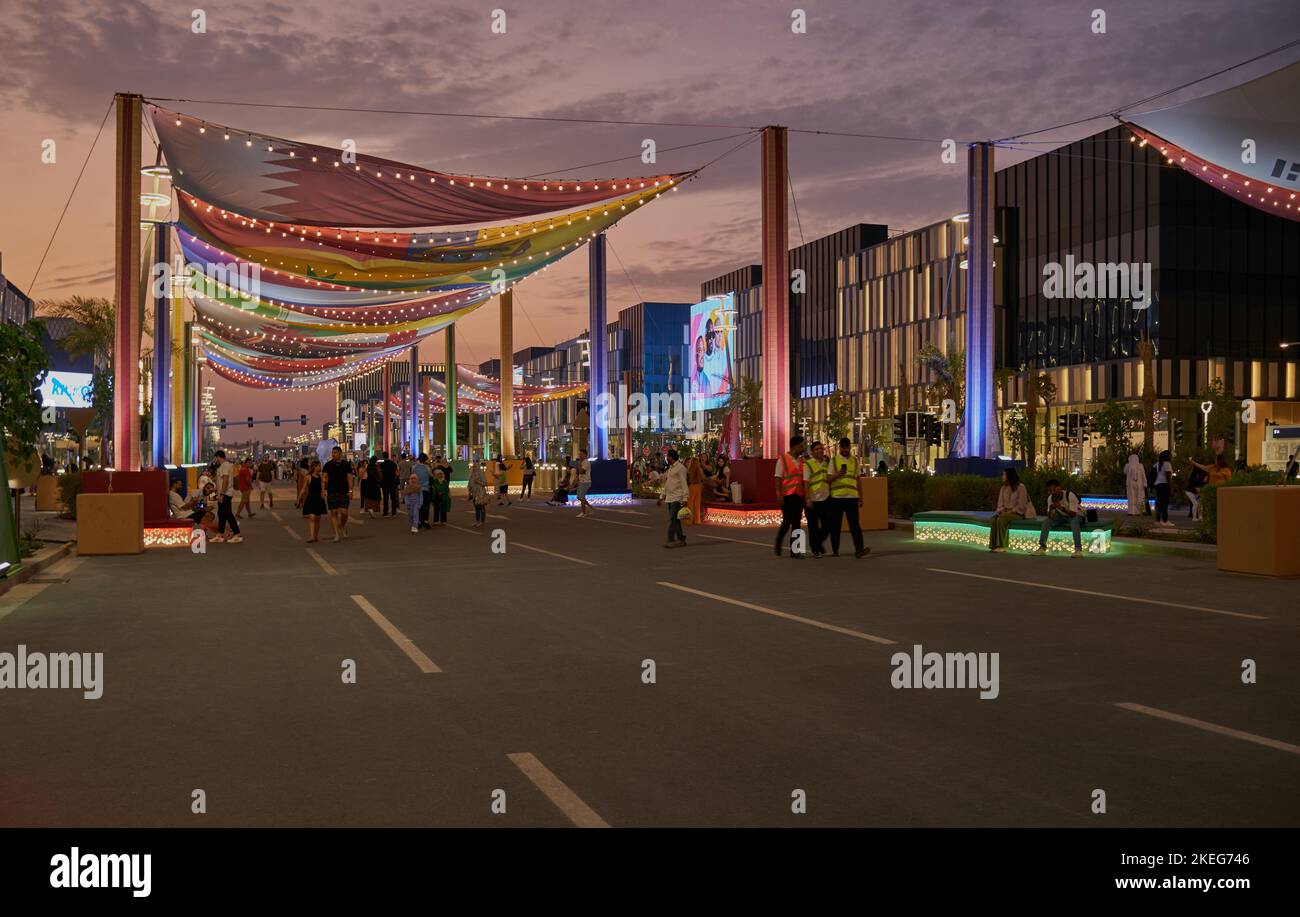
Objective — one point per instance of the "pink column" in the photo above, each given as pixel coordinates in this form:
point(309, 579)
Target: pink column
point(126, 285)
point(776, 295)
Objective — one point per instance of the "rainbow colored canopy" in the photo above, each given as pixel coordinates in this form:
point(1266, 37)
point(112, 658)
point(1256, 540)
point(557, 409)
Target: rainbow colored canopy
point(309, 265)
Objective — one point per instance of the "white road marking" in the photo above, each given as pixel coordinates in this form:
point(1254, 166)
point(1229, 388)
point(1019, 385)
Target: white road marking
point(1108, 595)
point(1212, 727)
point(423, 662)
point(296, 536)
point(277, 516)
point(631, 525)
point(494, 516)
point(323, 565)
point(532, 509)
point(526, 547)
point(783, 614)
point(564, 799)
point(762, 544)
point(18, 596)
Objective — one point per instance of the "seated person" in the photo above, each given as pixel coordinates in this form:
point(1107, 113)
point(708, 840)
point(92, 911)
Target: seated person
point(1062, 509)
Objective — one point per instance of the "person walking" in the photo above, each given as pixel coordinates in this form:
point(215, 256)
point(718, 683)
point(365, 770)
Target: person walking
point(1292, 469)
point(311, 497)
point(339, 484)
point(225, 477)
point(413, 495)
point(846, 498)
point(530, 471)
point(695, 485)
point(675, 493)
point(503, 484)
point(478, 493)
point(789, 485)
point(388, 483)
point(371, 486)
point(583, 469)
point(817, 503)
point(424, 473)
point(1135, 484)
point(440, 497)
point(1062, 509)
point(1196, 479)
point(1013, 504)
point(1163, 480)
point(244, 483)
point(265, 478)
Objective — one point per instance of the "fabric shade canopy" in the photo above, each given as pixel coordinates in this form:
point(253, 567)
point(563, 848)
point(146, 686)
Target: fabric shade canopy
point(1244, 141)
point(308, 267)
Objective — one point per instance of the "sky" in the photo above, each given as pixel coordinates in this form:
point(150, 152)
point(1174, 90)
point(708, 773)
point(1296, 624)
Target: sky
point(923, 69)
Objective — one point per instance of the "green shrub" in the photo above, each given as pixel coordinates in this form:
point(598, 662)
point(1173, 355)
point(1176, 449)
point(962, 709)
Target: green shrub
point(69, 487)
point(1210, 500)
point(906, 492)
point(960, 492)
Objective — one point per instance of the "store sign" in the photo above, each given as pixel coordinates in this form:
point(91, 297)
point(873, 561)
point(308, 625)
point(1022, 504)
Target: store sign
point(66, 390)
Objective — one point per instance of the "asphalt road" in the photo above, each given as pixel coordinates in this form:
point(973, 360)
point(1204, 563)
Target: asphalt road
point(523, 672)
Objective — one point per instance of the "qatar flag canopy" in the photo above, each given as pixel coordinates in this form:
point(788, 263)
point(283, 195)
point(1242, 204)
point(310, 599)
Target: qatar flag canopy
point(1244, 141)
point(310, 265)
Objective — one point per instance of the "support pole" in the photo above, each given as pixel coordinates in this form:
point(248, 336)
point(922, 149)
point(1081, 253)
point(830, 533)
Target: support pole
point(449, 377)
point(507, 423)
point(428, 418)
point(388, 413)
point(186, 399)
point(162, 359)
point(981, 430)
point(598, 423)
point(126, 289)
point(413, 418)
point(176, 362)
point(776, 294)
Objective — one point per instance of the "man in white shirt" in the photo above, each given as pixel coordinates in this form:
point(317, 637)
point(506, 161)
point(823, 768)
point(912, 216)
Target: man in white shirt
point(225, 500)
point(676, 492)
point(1062, 509)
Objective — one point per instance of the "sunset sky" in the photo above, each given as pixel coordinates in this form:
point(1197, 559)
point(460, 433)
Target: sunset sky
point(932, 70)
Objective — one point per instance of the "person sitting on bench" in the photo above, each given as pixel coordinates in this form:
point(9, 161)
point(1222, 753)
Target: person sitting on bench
point(1062, 509)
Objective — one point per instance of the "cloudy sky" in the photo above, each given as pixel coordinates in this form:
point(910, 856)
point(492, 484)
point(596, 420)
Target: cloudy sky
point(921, 69)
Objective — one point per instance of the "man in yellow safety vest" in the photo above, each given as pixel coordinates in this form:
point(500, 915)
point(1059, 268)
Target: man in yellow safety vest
point(845, 499)
point(789, 486)
point(817, 503)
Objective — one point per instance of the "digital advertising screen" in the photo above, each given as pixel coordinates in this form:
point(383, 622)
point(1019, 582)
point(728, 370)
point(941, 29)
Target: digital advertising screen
point(712, 357)
point(66, 390)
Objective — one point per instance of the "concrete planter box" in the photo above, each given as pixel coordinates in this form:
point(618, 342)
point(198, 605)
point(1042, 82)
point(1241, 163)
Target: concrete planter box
point(110, 523)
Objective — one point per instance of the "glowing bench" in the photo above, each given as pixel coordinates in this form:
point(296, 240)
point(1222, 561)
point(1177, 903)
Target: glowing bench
point(972, 528)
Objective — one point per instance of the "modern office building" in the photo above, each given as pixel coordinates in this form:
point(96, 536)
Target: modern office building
point(647, 351)
point(549, 430)
point(814, 308)
point(16, 307)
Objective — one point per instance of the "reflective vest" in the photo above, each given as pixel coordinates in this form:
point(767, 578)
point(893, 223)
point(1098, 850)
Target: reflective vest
point(791, 475)
point(816, 477)
point(847, 485)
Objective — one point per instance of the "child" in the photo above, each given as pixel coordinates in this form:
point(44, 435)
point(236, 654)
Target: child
point(478, 494)
point(440, 497)
point(414, 496)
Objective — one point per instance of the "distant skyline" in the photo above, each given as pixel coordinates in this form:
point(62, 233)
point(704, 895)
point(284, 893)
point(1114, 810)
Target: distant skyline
point(925, 69)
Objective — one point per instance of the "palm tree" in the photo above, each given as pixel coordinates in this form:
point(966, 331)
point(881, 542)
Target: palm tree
point(94, 328)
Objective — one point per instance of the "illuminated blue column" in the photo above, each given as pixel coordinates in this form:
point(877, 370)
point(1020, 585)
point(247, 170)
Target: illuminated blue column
point(161, 431)
point(980, 426)
point(413, 419)
point(598, 433)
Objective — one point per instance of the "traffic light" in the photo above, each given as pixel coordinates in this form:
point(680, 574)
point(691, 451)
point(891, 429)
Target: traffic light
point(222, 423)
point(1062, 429)
point(250, 423)
point(1178, 431)
point(277, 420)
point(302, 419)
point(914, 430)
point(933, 429)
point(900, 431)
point(1086, 424)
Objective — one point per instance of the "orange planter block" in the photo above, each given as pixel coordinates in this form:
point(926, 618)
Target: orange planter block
point(110, 523)
point(47, 494)
point(873, 514)
point(1259, 530)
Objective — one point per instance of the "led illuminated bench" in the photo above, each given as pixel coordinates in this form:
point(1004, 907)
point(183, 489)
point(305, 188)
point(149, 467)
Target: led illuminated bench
point(972, 528)
point(1114, 503)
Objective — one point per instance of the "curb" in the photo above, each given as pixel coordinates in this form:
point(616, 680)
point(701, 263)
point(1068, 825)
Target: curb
point(35, 564)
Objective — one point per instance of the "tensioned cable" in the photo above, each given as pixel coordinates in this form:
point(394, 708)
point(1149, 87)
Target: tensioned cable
point(31, 287)
point(669, 149)
point(1115, 112)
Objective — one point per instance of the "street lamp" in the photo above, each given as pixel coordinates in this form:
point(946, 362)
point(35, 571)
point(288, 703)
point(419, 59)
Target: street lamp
point(1285, 344)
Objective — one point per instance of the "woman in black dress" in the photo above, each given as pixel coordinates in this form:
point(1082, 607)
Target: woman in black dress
point(311, 497)
point(371, 490)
